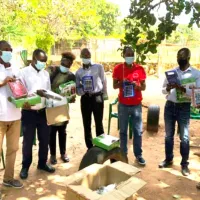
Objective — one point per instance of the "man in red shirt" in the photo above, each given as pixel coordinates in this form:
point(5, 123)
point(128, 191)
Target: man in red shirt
point(130, 77)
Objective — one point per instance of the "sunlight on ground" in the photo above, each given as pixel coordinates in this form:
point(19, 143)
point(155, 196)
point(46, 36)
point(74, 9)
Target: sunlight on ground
point(162, 185)
point(193, 166)
point(57, 179)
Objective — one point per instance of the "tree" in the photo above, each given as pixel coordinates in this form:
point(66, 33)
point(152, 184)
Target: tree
point(144, 32)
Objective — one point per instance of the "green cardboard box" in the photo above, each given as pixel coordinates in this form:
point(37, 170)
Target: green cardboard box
point(67, 89)
point(32, 99)
point(106, 142)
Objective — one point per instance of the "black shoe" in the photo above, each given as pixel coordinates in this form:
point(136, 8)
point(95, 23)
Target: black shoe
point(47, 168)
point(24, 173)
point(185, 171)
point(165, 164)
point(53, 160)
point(141, 160)
point(64, 158)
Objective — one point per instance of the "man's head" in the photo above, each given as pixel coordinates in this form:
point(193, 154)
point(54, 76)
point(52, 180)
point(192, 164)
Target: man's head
point(39, 59)
point(5, 51)
point(128, 55)
point(183, 57)
point(85, 56)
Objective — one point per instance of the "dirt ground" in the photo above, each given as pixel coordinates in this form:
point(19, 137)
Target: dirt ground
point(162, 184)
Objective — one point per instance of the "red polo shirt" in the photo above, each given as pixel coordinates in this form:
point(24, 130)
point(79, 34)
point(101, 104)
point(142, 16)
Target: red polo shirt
point(136, 73)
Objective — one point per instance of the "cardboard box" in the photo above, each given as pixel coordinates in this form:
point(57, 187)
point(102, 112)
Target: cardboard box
point(106, 142)
point(31, 99)
point(57, 114)
point(82, 185)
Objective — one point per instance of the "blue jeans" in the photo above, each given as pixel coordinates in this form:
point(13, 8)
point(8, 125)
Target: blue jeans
point(135, 112)
point(179, 112)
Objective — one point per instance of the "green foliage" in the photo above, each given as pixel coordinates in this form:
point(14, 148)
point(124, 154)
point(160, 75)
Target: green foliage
point(35, 23)
point(145, 32)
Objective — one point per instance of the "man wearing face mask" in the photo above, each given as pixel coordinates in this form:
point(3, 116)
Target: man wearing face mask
point(129, 78)
point(9, 116)
point(35, 79)
point(91, 86)
point(177, 108)
point(59, 75)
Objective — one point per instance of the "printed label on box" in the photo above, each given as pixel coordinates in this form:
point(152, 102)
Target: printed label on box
point(128, 89)
point(88, 83)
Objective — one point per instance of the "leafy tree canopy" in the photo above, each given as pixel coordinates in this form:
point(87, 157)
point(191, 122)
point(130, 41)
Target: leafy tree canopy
point(144, 31)
point(40, 23)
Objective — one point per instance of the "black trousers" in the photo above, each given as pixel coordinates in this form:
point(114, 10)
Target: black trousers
point(61, 136)
point(32, 121)
point(92, 104)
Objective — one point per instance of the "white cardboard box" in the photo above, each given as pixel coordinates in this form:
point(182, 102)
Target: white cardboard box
point(82, 185)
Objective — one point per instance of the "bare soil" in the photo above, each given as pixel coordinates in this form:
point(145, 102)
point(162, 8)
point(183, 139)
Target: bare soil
point(162, 184)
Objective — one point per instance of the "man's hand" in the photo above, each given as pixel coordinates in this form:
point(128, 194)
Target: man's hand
point(7, 79)
point(73, 99)
point(172, 86)
point(41, 93)
point(139, 85)
point(26, 106)
point(117, 84)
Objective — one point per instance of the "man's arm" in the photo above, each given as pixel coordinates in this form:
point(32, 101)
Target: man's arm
point(79, 87)
point(103, 80)
point(117, 84)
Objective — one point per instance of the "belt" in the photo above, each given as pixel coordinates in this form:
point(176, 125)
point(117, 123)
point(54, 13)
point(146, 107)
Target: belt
point(177, 103)
point(37, 111)
point(93, 94)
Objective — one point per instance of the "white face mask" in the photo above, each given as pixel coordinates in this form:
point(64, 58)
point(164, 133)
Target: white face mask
point(86, 61)
point(129, 60)
point(6, 56)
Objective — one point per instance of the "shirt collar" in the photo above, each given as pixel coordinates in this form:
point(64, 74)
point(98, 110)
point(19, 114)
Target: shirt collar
point(91, 64)
point(188, 69)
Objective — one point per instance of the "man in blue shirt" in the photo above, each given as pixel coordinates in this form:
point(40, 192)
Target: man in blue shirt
point(91, 86)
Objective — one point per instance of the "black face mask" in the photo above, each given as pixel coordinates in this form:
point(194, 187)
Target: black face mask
point(182, 63)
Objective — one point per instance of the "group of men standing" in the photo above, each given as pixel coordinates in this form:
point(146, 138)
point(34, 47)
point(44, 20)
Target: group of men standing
point(91, 85)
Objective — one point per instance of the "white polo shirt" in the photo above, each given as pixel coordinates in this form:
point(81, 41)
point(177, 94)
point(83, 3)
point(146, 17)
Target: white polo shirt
point(34, 81)
point(8, 112)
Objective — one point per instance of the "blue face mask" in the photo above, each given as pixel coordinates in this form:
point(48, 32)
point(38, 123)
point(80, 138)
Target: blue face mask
point(40, 65)
point(64, 69)
point(129, 60)
point(6, 56)
point(86, 61)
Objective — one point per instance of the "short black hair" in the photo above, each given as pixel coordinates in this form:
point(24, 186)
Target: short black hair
point(69, 55)
point(125, 48)
point(2, 42)
point(37, 52)
point(85, 49)
point(186, 51)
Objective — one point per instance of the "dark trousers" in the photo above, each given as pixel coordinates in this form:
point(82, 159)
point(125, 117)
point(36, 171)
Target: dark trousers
point(179, 112)
point(32, 121)
point(61, 136)
point(92, 104)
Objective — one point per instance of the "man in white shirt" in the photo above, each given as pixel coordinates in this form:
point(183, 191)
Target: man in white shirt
point(35, 78)
point(177, 109)
point(9, 116)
